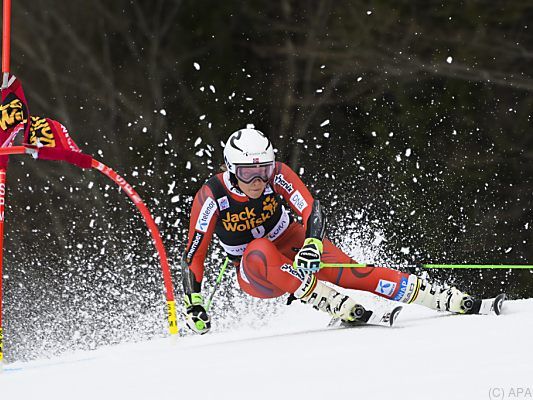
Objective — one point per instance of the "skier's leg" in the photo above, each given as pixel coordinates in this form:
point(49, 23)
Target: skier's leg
point(395, 285)
point(381, 281)
point(260, 273)
point(265, 272)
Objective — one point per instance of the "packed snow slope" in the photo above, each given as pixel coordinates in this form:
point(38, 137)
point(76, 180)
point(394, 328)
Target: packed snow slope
point(427, 355)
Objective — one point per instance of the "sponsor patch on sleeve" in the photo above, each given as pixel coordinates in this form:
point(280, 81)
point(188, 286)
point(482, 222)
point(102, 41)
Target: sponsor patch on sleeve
point(385, 287)
point(298, 201)
point(195, 243)
point(206, 213)
point(279, 180)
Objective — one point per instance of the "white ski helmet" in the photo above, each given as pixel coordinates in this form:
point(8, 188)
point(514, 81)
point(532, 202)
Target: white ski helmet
point(248, 147)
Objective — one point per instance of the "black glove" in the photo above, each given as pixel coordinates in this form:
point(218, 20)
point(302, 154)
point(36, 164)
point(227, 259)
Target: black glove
point(196, 315)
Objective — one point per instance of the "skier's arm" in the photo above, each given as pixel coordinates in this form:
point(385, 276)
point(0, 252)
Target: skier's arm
point(204, 214)
point(287, 183)
point(294, 191)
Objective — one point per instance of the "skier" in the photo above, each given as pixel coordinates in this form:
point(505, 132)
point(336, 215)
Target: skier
point(274, 254)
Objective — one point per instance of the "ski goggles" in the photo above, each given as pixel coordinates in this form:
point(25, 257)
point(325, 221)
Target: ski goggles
point(248, 173)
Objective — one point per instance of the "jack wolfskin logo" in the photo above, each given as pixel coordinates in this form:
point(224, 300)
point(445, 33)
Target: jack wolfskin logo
point(250, 218)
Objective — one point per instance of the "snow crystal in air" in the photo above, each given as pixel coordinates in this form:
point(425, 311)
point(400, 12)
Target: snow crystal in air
point(326, 134)
point(508, 250)
point(197, 66)
point(163, 111)
point(188, 165)
point(378, 238)
point(408, 152)
point(198, 141)
point(359, 79)
point(449, 60)
point(404, 250)
point(369, 12)
point(301, 171)
point(145, 129)
point(212, 88)
point(157, 220)
point(135, 173)
point(326, 122)
point(171, 187)
point(398, 158)
point(91, 184)
point(202, 117)
point(175, 199)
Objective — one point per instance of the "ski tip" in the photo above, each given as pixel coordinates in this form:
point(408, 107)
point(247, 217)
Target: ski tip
point(394, 314)
point(498, 303)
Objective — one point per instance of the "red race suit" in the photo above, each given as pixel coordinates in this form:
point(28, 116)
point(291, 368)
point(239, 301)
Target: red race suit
point(263, 235)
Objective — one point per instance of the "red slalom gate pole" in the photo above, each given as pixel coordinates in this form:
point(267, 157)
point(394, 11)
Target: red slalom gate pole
point(2, 211)
point(6, 54)
point(6, 37)
point(152, 227)
point(150, 223)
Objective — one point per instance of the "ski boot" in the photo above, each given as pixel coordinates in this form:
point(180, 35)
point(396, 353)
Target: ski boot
point(453, 300)
point(327, 299)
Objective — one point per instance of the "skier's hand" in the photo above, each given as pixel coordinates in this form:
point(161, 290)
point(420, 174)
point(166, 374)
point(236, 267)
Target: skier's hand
point(308, 258)
point(195, 313)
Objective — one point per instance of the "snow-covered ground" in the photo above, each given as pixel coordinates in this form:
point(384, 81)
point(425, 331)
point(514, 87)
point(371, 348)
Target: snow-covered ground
point(427, 355)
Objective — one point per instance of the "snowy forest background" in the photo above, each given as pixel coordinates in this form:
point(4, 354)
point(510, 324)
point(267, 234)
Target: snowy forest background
point(410, 120)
